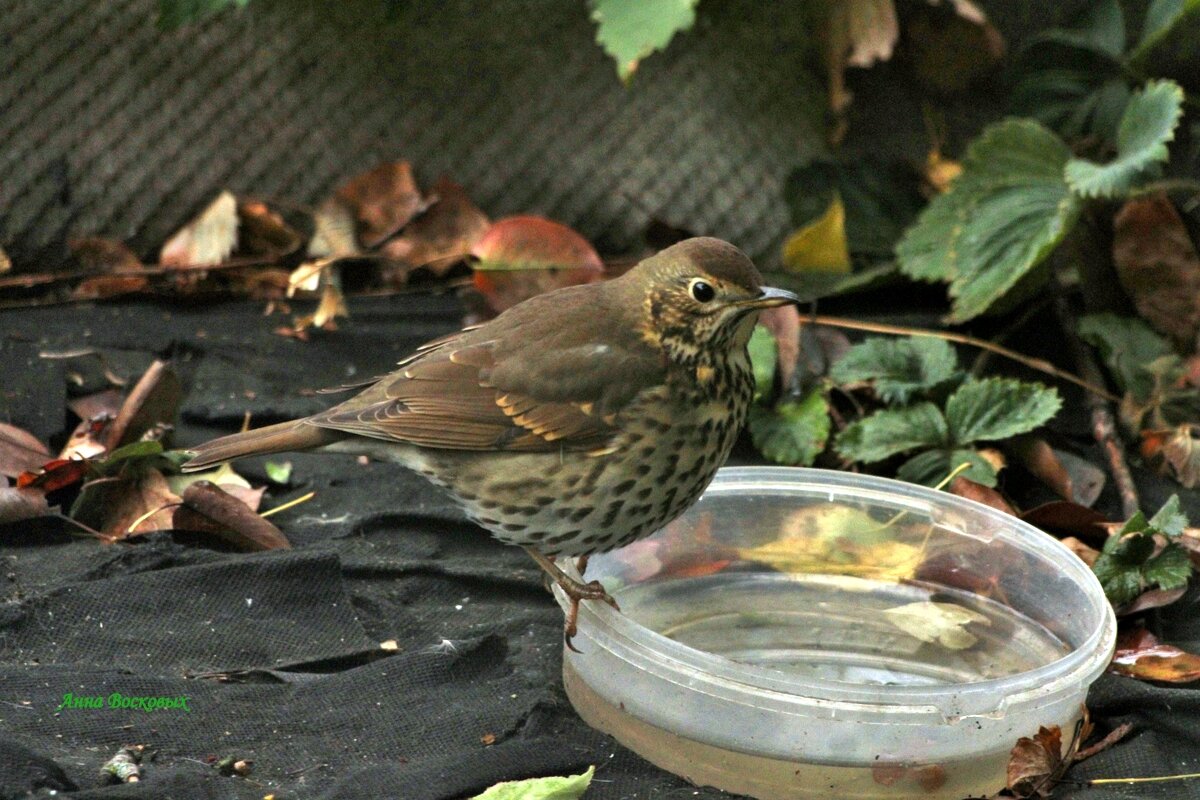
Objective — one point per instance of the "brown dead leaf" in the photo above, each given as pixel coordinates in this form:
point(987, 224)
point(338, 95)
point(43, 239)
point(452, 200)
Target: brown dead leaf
point(5, 261)
point(1140, 655)
point(442, 236)
point(20, 451)
point(141, 501)
point(1155, 598)
point(153, 400)
point(858, 33)
point(89, 439)
point(520, 257)
point(1158, 266)
point(1035, 764)
point(951, 47)
point(18, 504)
point(1063, 518)
point(1087, 554)
point(331, 306)
point(1181, 451)
point(1115, 735)
point(207, 240)
point(102, 287)
point(784, 324)
point(209, 509)
point(97, 254)
point(964, 487)
point(264, 232)
point(382, 201)
point(1070, 477)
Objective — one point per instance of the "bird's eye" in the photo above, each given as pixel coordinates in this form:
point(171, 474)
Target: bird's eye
point(703, 292)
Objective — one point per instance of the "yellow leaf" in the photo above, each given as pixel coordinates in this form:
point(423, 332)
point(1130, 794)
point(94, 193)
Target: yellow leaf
point(940, 171)
point(937, 623)
point(820, 246)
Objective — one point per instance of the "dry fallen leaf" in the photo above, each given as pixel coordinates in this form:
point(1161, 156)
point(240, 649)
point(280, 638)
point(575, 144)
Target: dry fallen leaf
point(1087, 554)
point(101, 287)
point(1181, 451)
point(382, 200)
point(18, 504)
point(207, 240)
point(950, 49)
point(1158, 266)
point(1154, 598)
point(97, 254)
point(784, 324)
point(442, 236)
point(54, 475)
point(331, 306)
point(1036, 763)
point(858, 33)
point(141, 501)
point(264, 232)
point(1140, 655)
point(20, 451)
point(154, 400)
point(5, 261)
point(964, 487)
point(937, 623)
point(207, 508)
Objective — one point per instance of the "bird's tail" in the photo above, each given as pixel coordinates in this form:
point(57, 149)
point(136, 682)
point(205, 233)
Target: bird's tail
point(284, 437)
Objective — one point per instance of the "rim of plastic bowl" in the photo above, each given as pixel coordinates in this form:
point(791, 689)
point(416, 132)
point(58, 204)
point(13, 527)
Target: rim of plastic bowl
point(1077, 668)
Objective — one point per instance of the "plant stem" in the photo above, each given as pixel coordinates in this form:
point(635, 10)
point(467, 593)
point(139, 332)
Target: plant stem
point(1104, 427)
point(899, 330)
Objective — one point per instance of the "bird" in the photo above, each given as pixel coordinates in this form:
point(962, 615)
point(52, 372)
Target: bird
point(574, 422)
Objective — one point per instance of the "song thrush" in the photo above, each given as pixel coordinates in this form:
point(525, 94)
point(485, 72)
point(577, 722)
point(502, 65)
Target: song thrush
point(572, 423)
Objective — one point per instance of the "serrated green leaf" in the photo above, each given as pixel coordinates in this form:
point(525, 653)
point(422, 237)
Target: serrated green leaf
point(174, 13)
point(630, 30)
point(1121, 583)
point(897, 368)
point(1101, 29)
point(1147, 124)
point(1127, 345)
point(997, 408)
point(1135, 524)
point(1170, 521)
point(794, 432)
point(999, 220)
point(1170, 569)
point(1168, 45)
point(891, 431)
point(570, 787)
point(764, 359)
point(934, 466)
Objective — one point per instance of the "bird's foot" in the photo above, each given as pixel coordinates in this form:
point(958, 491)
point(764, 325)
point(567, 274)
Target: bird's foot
point(575, 590)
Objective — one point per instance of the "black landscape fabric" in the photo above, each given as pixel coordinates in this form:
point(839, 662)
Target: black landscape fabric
point(278, 653)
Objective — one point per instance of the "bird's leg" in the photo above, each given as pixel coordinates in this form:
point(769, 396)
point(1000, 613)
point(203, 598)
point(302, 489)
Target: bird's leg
point(581, 565)
point(575, 590)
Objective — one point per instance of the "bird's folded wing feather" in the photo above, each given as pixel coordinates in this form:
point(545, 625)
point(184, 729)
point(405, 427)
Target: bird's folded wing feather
point(536, 389)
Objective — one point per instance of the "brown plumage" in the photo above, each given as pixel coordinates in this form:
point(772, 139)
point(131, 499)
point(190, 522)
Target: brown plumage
point(572, 423)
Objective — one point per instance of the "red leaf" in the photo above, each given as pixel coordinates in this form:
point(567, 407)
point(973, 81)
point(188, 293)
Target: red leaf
point(1140, 655)
point(382, 200)
point(520, 257)
point(20, 451)
point(55, 475)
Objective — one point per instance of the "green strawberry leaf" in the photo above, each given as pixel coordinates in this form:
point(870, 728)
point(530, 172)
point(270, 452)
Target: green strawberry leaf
point(1169, 521)
point(1170, 569)
point(1007, 211)
point(1127, 345)
point(934, 466)
point(1146, 126)
point(997, 408)
point(891, 431)
point(898, 368)
point(764, 358)
point(1168, 45)
point(794, 432)
point(630, 30)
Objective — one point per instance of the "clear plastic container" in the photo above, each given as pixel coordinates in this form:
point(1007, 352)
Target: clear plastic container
point(805, 633)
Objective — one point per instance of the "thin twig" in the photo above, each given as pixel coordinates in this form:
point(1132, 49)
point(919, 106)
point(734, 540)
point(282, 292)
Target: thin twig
point(304, 498)
point(1156, 779)
point(1104, 426)
point(899, 330)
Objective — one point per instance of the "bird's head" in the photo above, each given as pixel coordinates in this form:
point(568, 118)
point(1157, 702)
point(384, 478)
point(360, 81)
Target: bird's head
point(701, 298)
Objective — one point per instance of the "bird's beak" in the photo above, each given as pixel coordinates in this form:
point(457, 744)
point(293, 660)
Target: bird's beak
point(770, 298)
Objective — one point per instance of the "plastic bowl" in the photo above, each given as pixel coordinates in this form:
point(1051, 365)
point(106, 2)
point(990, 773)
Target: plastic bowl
point(805, 633)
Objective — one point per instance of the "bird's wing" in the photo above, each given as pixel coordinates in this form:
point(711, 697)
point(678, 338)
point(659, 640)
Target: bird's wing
point(534, 389)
